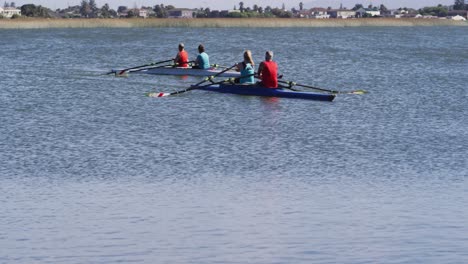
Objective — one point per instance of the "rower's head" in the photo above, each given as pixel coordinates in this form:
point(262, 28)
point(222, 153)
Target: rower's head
point(248, 57)
point(269, 55)
point(181, 46)
point(201, 48)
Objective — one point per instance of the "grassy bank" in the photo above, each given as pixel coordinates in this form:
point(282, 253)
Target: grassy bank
point(221, 23)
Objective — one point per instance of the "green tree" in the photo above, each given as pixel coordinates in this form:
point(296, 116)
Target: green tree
point(160, 11)
point(122, 9)
point(241, 6)
point(383, 8)
point(31, 10)
point(28, 10)
point(357, 7)
point(106, 11)
point(301, 6)
point(94, 8)
point(255, 8)
point(439, 11)
point(131, 13)
point(85, 8)
point(459, 5)
point(281, 13)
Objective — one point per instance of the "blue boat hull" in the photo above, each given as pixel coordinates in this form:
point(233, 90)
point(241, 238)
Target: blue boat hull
point(256, 90)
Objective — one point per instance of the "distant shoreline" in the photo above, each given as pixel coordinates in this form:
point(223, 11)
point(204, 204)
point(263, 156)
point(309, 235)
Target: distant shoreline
point(222, 23)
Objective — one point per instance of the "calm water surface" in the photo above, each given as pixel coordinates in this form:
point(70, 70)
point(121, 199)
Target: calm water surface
point(92, 171)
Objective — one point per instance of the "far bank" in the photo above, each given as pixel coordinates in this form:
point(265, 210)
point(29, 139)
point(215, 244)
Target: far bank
point(223, 23)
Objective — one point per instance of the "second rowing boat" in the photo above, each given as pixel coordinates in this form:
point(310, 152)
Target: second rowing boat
point(183, 71)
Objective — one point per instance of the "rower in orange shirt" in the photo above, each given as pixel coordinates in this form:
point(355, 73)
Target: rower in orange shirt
point(268, 71)
point(181, 58)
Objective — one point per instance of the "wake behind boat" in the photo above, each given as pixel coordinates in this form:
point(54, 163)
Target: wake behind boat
point(178, 71)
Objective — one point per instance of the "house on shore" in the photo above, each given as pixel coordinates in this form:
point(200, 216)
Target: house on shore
point(304, 13)
point(8, 12)
point(143, 13)
point(367, 12)
point(135, 12)
point(319, 13)
point(454, 13)
point(342, 13)
point(181, 13)
point(395, 13)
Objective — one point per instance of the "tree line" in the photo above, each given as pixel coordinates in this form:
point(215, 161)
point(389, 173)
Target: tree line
point(89, 9)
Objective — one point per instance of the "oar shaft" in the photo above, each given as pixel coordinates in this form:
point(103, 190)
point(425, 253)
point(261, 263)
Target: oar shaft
point(146, 65)
point(216, 75)
point(322, 89)
point(195, 86)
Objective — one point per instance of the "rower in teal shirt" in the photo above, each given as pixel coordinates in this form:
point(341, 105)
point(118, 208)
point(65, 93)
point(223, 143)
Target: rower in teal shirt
point(246, 69)
point(248, 72)
point(203, 60)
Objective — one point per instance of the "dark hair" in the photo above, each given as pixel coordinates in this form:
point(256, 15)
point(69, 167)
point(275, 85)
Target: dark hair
point(201, 48)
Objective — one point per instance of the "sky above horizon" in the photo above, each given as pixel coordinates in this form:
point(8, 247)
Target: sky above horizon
point(229, 4)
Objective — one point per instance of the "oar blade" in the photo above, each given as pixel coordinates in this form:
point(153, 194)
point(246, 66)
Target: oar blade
point(360, 92)
point(122, 73)
point(155, 94)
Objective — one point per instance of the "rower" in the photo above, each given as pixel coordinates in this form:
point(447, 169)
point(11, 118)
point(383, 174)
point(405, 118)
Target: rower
point(181, 59)
point(203, 60)
point(268, 71)
point(246, 68)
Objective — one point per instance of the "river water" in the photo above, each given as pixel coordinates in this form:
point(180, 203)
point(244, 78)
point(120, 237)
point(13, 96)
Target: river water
point(92, 171)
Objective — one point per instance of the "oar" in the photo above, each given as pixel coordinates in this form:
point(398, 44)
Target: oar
point(162, 66)
point(196, 86)
point(216, 75)
point(193, 87)
point(137, 67)
point(322, 89)
point(218, 66)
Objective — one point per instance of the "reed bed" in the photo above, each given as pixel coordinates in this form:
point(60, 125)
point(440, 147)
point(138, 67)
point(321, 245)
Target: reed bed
point(26, 23)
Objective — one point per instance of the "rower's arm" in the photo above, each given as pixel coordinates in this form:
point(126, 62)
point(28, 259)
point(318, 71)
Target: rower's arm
point(260, 69)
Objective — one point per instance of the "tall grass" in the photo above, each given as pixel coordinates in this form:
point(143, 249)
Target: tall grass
point(26, 23)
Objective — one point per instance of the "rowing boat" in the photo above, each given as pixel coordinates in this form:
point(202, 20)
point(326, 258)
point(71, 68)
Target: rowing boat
point(257, 90)
point(183, 71)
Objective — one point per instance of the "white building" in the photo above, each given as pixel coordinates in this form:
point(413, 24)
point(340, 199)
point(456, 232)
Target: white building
point(181, 13)
point(8, 12)
point(342, 13)
point(318, 12)
point(142, 13)
point(361, 12)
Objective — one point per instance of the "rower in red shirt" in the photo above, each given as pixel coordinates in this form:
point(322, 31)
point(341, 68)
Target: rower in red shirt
point(181, 58)
point(268, 71)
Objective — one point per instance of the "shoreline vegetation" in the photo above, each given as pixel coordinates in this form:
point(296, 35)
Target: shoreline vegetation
point(222, 23)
